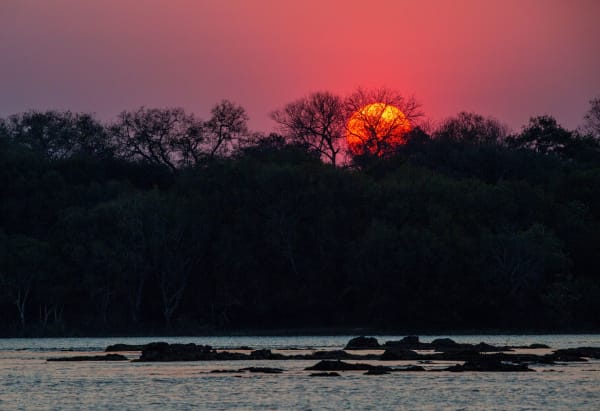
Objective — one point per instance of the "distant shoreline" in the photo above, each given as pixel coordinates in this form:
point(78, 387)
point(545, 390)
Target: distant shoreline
point(317, 331)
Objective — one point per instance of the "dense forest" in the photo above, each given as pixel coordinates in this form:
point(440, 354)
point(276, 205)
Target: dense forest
point(162, 222)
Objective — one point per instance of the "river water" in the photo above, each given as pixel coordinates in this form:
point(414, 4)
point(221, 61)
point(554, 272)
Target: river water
point(29, 382)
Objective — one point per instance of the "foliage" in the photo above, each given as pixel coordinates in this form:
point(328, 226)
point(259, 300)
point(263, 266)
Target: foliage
point(443, 233)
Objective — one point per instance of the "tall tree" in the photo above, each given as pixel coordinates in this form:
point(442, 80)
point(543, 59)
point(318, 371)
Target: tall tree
point(381, 127)
point(227, 129)
point(24, 262)
point(591, 121)
point(165, 137)
point(316, 121)
point(472, 128)
point(543, 135)
point(58, 134)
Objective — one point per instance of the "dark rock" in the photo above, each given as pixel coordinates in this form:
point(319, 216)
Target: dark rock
point(325, 374)
point(327, 365)
point(444, 343)
point(223, 371)
point(107, 357)
point(456, 355)
point(265, 355)
point(162, 351)
point(331, 355)
point(536, 345)
point(488, 365)
point(125, 347)
point(410, 342)
point(362, 343)
point(565, 356)
point(485, 347)
point(398, 354)
point(264, 370)
point(589, 352)
point(411, 368)
point(376, 371)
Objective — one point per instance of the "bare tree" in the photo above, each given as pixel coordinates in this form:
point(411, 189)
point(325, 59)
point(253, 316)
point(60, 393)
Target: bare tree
point(227, 129)
point(316, 121)
point(379, 119)
point(159, 136)
point(591, 121)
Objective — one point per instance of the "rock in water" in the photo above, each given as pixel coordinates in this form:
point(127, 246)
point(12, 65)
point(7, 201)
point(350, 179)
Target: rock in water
point(362, 343)
point(264, 370)
point(107, 357)
point(488, 365)
point(125, 347)
point(327, 365)
point(398, 354)
point(162, 351)
point(376, 372)
point(325, 374)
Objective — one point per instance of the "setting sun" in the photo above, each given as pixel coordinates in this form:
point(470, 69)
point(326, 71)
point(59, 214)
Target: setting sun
point(375, 128)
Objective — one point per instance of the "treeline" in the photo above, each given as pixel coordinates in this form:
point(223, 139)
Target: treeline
point(162, 222)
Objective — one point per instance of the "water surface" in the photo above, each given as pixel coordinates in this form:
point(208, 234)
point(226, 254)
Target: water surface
point(28, 382)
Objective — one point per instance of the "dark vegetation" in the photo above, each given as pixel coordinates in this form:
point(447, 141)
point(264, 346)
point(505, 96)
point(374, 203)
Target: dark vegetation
point(162, 222)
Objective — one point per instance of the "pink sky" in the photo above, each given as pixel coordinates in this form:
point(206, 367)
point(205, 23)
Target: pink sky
point(511, 59)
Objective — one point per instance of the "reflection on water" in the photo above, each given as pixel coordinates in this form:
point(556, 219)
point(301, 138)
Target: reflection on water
point(27, 381)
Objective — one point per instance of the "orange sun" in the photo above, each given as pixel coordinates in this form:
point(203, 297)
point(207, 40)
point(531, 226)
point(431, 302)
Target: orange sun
point(376, 128)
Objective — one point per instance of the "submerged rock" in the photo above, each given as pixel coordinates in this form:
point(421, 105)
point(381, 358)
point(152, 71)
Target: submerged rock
point(589, 352)
point(264, 370)
point(125, 347)
point(362, 343)
point(411, 368)
point(327, 365)
point(265, 355)
point(398, 354)
point(107, 357)
point(331, 355)
point(325, 374)
point(444, 343)
point(376, 371)
point(162, 351)
point(535, 346)
point(488, 365)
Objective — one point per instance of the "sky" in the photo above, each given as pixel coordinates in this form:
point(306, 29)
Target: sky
point(511, 59)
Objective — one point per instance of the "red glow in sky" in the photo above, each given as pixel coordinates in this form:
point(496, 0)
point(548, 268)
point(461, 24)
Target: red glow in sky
point(511, 59)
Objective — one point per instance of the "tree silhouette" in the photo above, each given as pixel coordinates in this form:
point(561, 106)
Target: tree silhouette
point(158, 136)
point(58, 134)
point(472, 128)
point(227, 129)
point(316, 121)
point(380, 133)
point(591, 124)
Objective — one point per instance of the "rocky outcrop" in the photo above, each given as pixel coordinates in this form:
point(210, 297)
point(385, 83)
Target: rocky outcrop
point(125, 347)
point(398, 354)
point(362, 343)
point(376, 371)
point(107, 357)
point(568, 354)
point(325, 374)
point(263, 370)
point(162, 351)
point(327, 365)
point(489, 365)
point(410, 342)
